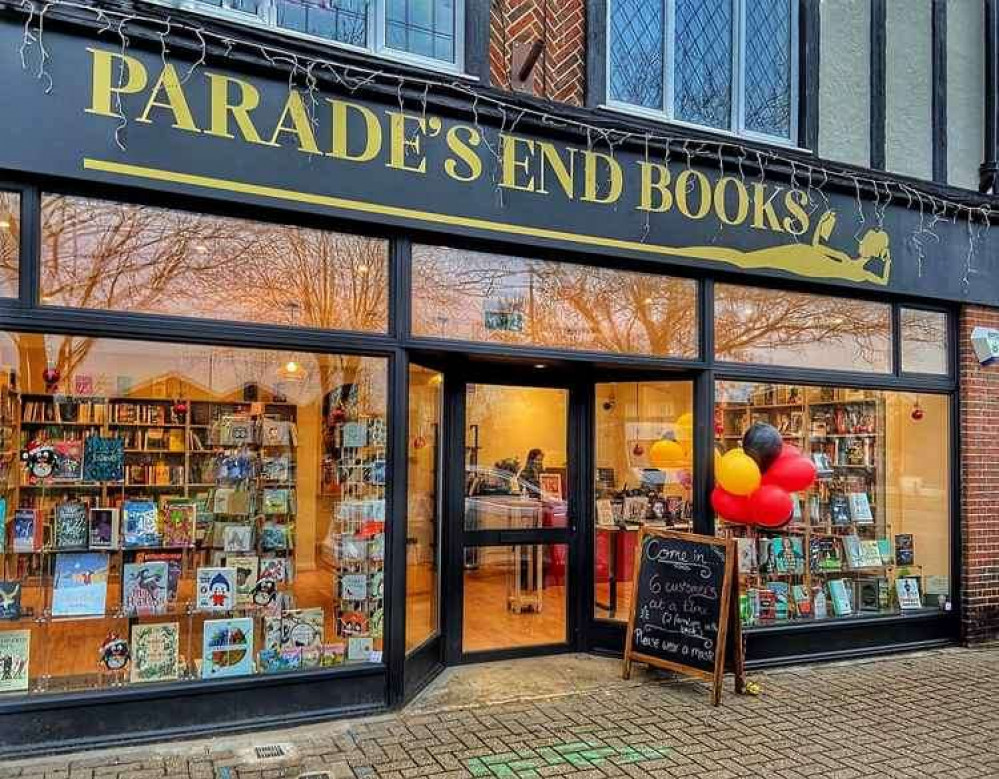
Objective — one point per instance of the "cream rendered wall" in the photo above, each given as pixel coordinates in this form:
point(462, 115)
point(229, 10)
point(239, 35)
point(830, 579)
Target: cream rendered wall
point(844, 81)
point(965, 91)
point(909, 88)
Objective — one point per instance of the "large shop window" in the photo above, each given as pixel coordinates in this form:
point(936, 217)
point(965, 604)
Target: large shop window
point(644, 475)
point(872, 536)
point(727, 64)
point(115, 256)
point(473, 296)
point(187, 512)
point(428, 29)
point(774, 327)
point(10, 243)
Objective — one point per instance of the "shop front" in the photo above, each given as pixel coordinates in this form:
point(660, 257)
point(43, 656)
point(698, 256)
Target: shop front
point(312, 389)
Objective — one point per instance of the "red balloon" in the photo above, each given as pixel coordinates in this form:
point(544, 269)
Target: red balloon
point(771, 506)
point(789, 450)
point(734, 508)
point(792, 474)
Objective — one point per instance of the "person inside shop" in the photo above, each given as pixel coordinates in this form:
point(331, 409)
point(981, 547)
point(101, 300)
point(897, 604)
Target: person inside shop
point(530, 474)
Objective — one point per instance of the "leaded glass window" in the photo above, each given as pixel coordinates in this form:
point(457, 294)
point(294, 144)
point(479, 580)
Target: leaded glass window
point(727, 64)
point(430, 30)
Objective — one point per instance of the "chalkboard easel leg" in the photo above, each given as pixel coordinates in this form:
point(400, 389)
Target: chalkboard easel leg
point(626, 673)
point(716, 691)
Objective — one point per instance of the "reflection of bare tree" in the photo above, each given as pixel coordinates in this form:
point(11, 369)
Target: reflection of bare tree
point(121, 257)
point(10, 230)
point(750, 322)
point(564, 306)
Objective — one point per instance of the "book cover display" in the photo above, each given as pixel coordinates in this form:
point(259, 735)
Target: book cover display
point(155, 652)
point(146, 587)
point(10, 600)
point(142, 523)
point(216, 589)
point(79, 584)
point(227, 647)
point(15, 654)
point(72, 526)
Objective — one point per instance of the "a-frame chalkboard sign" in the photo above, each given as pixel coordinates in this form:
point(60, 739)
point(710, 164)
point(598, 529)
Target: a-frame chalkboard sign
point(684, 607)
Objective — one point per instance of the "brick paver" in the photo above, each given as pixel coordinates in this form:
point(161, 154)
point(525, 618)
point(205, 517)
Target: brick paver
point(932, 714)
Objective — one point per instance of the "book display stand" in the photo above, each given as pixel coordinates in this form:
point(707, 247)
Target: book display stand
point(836, 558)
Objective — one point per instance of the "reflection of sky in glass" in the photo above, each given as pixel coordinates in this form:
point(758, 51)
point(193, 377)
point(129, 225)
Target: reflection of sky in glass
point(636, 52)
point(924, 341)
point(703, 68)
point(424, 27)
point(345, 21)
point(768, 67)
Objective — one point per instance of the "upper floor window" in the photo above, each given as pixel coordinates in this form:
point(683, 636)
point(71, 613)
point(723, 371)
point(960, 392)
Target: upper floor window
point(726, 64)
point(427, 30)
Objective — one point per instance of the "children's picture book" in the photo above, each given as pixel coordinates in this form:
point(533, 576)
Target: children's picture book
point(870, 554)
point(142, 525)
point(819, 608)
point(237, 538)
point(353, 549)
point(907, 590)
point(155, 652)
point(276, 501)
point(26, 532)
point(851, 550)
point(68, 460)
point(376, 585)
point(353, 586)
point(175, 566)
point(227, 647)
point(359, 649)
point(275, 469)
point(311, 656)
point(104, 528)
point(273, 537)
point(605, 512)
point(273, 568)
point(839, 510)
point(860, 508)
point(782, 598)
point(72, 528)
point(145, 587)
point(216, 589)
point(302, 627)
point(231, 501)
point(247, 568)
point(905, 553)
point(839, 595)
point(825, 555)
point(79, 584)
point(802, 600)
point(15, 652)
point(867, 594)
point(353, 623)
point(332, 654)
point(884, 549)
point(278, 660)
point(10, 600)
point(178, 524)
point(104, 459)
point(355, 435)
point(747, 555)
point(376, 548)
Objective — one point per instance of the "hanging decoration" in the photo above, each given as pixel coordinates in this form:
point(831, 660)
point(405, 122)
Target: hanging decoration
point(917, 412)
point(310, 73)
point(754, 483)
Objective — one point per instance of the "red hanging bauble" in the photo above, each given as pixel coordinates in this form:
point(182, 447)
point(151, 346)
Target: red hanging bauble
point(419, 442)
point(180, 408)
point(638, 451)
point(719, 429)
point(917, 412)
point(338, 415)
point(51, 376)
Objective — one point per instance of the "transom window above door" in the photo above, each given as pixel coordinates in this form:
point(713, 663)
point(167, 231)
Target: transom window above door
point(427, 32)
point(726, 64)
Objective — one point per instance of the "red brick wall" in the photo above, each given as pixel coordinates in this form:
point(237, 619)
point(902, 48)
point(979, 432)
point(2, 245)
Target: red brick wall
point(561, 72)
point(980, 482)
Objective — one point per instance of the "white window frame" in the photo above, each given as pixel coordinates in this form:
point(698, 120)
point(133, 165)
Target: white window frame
point(375, 45)
point(737, 119)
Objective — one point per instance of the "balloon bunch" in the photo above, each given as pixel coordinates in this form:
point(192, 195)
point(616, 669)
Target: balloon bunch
point(754, 484)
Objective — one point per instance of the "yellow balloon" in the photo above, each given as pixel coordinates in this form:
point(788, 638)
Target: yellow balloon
point(718, 459)
point(738, 473)
point(684, 427)
point(666, 454)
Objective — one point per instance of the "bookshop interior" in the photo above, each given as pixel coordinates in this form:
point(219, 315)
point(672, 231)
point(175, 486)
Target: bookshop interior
point(187, 511)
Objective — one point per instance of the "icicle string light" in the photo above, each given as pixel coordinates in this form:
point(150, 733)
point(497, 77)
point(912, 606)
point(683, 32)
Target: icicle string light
point(354, 77)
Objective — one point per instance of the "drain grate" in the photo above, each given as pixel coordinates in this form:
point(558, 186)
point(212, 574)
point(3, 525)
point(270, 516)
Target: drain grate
point(269, 751)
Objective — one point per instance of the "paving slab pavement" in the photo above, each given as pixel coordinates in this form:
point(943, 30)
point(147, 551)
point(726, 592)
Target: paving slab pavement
point(927, 714)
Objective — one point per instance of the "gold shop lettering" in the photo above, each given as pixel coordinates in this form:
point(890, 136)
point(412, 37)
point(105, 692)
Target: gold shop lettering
point(421, 144)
